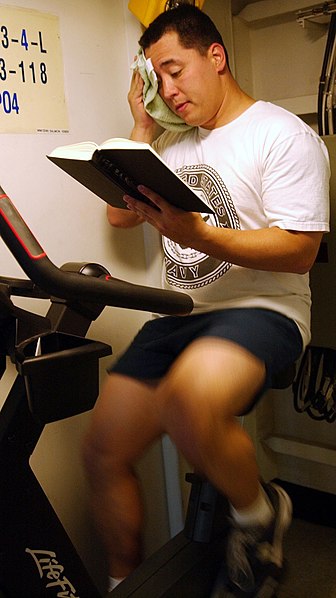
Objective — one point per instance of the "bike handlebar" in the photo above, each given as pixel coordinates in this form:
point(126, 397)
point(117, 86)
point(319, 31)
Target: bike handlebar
point(75, 286)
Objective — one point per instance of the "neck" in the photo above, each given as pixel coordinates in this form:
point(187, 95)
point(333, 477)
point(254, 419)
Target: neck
point(234, 102)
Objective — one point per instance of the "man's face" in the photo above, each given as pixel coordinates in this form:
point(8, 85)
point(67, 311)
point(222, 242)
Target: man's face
point(189, 82)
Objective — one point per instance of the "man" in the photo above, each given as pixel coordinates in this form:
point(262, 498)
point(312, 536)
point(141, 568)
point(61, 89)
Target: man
point(265, 174)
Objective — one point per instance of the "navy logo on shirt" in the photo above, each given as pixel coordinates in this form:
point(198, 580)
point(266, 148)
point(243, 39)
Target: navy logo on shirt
point(186, 267)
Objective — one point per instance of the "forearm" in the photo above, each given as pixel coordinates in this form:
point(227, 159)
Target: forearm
point(145, 127)
point(272, 249)
point(146, 134)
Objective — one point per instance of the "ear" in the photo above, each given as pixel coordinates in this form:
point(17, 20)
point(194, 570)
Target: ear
point(217, 56)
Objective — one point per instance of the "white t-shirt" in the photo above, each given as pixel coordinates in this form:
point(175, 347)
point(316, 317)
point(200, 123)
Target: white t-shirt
point(266, 168)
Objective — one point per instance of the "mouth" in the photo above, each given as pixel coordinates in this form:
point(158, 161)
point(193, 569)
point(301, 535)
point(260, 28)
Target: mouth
point(180, 108)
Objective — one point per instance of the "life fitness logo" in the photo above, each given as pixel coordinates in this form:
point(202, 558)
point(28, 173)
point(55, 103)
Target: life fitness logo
point(52, 574)
point(185, 267)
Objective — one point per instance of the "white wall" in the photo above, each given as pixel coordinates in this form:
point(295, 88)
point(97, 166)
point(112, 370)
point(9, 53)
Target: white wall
point(98, 41)
point(277, 60)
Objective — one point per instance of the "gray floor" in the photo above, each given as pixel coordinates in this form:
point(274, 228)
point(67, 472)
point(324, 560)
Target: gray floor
point(310, 551)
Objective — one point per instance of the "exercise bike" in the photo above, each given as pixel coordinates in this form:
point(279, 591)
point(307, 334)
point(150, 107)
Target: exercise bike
point(58, 378)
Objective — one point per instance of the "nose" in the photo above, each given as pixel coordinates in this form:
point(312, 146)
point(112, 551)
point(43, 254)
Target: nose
point(168, 88)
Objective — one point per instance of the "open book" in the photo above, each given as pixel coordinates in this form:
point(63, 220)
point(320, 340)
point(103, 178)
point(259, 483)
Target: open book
point(118, 166)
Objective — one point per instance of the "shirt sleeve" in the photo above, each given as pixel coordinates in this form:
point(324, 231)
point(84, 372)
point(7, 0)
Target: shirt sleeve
point(296, 184)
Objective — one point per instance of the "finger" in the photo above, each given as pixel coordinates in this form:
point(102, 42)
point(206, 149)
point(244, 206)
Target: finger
point(141, 208)
point(155, 199)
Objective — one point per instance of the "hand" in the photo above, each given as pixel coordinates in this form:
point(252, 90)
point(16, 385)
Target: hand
point(144, 125)
point(185, 228)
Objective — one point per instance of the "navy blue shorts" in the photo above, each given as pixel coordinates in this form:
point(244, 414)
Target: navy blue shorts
point(270, 336)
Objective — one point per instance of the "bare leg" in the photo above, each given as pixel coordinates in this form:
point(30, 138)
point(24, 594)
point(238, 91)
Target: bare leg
point(125, 420)
point(211, 383)
point(196, 403)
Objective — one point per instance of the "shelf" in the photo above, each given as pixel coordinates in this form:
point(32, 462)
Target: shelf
point(299, 105)
point(317, 453)
point(259, 11)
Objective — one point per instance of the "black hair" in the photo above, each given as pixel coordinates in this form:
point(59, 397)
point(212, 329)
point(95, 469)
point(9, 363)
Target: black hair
point(193, 27)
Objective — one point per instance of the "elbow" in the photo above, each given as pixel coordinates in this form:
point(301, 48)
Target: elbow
point(305, 264)
point(303, 270)
point(306, 253)
point(119, 218)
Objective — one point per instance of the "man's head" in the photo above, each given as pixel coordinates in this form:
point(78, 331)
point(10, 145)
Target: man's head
point(193, 27)
point(189, 59)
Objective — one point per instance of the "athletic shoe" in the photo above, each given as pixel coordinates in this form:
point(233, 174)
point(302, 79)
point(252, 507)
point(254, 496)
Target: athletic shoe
point(254, 560)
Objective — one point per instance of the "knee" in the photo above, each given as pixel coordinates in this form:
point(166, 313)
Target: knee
point(191, 417)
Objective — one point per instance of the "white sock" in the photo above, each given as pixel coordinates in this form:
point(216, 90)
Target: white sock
point(259, 513)
point(113, 582)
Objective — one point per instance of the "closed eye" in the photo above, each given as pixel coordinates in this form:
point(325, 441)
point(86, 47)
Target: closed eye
point(173, 75)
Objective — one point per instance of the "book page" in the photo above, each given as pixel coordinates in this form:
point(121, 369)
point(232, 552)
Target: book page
point(77, 151)
point(123, 143)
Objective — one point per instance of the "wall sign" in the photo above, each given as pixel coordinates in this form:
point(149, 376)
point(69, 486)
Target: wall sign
point(32, 96)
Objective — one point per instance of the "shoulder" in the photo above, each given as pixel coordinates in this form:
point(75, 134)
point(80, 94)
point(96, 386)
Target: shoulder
point(284, 131)
point(280, 122)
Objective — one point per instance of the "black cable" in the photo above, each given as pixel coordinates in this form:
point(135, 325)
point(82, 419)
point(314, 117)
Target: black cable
point(323, 84)
point(331, 91)
point(315, 385)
